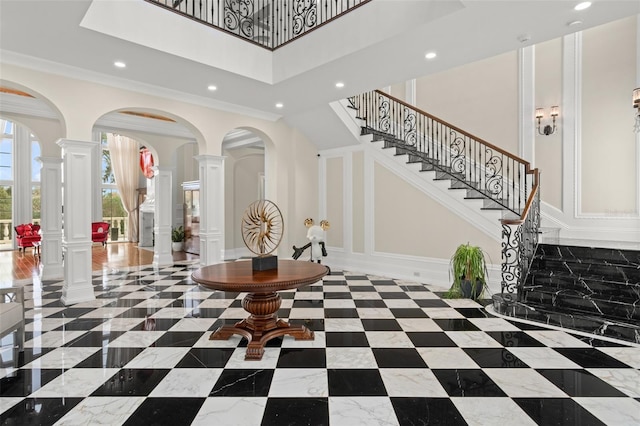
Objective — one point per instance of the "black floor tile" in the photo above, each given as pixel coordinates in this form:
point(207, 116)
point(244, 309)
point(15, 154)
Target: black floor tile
point(363, 303)
point(346, 339)
point(430, 339)
point(467, 383)
point(296, 411)
point(514, 339)
point(398, 358)
point(71, 313)
point(38, 411)
point(557, 412)
point(362, 288)
point(456, 324)
point(340, 313)
point(301, 303)
point(431, 303)
point(131, 382)
point(164, 411)
point(95, 339)
point(591, 358)
point(82, 324)
point(380, 325)
point(206, 358)
point(205, 313)
point(25, 381)
point(580, 383)
point(408, 313)
point(337, 295)
point(473, 312)
point(110, 358)
point(302, 358)
point(427, 411)
point(179, 338)
point(243, 383)
point(494, 358)
point(393, 295)
point(355, 383)
point(384, 282)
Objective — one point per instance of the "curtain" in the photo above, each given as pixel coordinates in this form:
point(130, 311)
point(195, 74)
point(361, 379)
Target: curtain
point(124, 162)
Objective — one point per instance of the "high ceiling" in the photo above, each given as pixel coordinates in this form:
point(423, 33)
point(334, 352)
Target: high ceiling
point(379, 44)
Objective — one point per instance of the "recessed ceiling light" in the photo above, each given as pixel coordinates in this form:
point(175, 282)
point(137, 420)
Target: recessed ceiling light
point(119, 64)
point(212, 88)
point(279, 105)
point(430, 55)
point(574, 23)
point(339, 85)
point(582, 6)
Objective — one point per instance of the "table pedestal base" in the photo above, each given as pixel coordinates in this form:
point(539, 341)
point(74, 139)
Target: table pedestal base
point(262, 325)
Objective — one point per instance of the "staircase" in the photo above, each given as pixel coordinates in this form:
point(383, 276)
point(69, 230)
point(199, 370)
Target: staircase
point(595, 290)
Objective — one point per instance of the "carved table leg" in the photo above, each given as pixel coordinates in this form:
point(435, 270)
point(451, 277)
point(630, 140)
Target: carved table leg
point(262, 325)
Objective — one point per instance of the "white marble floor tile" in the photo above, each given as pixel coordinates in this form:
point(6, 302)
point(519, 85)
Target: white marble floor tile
point(8, 402)
point(624, 379)
point(366, 295)
point(319, 341)
point(269, 359)
point(154, 303)
point(308, 295)
point(630, 356)
point(231, 411)
point(299, 383)
point(388, 289)
point(53, 339)
point(339, 304)
point(158, 357)
point(557, 339)
point(306, 313)
point(119, 324)
point(343, 324)
point(234, 313)
point(205, 342)
point(453, 358)
point(491, 411)
point(493, 324)
point(141, 295)
point(361, 411)
point(105, 313)
point(412, 382)
point(62, 358)
point(215, 303)
point(422, 295)
point(172, 313)
point(541, 357)
point(418, 324)
point(187, 382)
point(46, 324)
point(442, 313)
point(462, 303)
point(42, 312)
point(375, 313)
point(388, 339)
point(401, 304)
point(473, 339)
point(136, 339)
point(76, 382)
point(525, 383)
point(350, 358)
point(193, 324)
point(613, 411)
point(101, 410)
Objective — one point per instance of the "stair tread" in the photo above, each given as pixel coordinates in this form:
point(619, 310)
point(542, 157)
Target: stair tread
point(573, 293)
point(586, 277)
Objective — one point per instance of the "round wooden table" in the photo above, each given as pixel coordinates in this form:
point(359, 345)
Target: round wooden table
point(262, 300)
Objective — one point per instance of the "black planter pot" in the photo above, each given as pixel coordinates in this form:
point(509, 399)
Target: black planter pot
point(470, 291)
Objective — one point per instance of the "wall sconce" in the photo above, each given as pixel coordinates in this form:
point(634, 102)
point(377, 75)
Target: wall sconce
point(636, 105)
point(548, 129)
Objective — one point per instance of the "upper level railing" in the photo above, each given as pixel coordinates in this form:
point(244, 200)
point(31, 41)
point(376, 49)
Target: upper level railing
point(498, 175)
point(267, 23)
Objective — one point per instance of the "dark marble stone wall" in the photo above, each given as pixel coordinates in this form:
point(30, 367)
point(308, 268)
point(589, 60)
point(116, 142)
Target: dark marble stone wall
point(591, 289)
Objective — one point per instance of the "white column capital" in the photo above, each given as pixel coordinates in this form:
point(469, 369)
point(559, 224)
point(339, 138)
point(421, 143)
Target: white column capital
point(70, 143)
point(210, 159)
point(49, 160)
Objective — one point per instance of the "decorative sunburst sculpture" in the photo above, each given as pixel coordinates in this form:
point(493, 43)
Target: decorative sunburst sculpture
point(262, 227)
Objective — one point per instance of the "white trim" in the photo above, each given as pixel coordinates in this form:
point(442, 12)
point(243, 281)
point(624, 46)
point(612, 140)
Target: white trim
point(637, 134)
point(526, 104)
point(347, 201)
point(369, 203)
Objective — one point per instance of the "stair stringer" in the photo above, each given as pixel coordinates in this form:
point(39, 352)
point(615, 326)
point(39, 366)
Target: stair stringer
point(487, 221)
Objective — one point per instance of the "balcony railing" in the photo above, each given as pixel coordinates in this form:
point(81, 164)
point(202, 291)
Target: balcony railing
point(267, 23)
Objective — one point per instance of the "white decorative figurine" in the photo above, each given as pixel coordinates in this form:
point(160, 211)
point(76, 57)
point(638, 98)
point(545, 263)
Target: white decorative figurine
point(315, 235)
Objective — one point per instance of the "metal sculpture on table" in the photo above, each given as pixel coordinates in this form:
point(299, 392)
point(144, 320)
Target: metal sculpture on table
point(262, 230)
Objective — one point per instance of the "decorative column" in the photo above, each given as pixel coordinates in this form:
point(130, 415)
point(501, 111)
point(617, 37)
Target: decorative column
point(211, 208)
point(162, 222)
point(51, 217)
point(76, 241)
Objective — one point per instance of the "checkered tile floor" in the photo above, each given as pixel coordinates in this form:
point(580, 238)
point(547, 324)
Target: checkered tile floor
point(386, 352)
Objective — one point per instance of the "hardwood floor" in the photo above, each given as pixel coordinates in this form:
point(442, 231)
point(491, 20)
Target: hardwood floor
point(15, 265)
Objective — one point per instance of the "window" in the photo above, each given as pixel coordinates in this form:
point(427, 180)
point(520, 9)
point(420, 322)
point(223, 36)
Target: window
point(36, 167)
point(113, 211)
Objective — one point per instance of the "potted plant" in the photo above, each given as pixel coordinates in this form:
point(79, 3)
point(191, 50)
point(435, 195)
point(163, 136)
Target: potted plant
point(469, 269)
point(177, 238)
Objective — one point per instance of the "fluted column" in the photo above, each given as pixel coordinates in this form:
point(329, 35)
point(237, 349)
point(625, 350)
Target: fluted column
point(51, 217)
point(211, 209)
point(76, 240)
point(162, 217)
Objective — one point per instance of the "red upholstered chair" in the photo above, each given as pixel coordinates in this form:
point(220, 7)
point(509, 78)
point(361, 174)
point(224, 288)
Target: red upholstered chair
point(27, 234)
point(100, 232)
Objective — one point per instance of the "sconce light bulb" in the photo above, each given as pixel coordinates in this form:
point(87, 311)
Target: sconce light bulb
point(539, 113)
point(555, 111)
